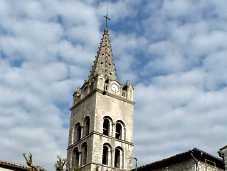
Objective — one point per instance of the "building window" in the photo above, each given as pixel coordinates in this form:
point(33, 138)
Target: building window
point(106, 126)
point(84, 153)
point(76, 158)
point(106, 154)
point(120, 130)
point(106, 87)
point(118, 133)
point(77, 132)
point(106, 84)
point(86, 126)
point(118, 159)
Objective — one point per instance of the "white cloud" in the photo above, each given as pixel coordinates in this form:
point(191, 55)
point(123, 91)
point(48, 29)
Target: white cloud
point(177, 59)
point(41, 62)
point(125, 47)
point(186, 88)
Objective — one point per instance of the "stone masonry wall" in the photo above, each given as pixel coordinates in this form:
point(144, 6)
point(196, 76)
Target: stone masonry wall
point(117, 110)
point(207, 167)
point(188, 165)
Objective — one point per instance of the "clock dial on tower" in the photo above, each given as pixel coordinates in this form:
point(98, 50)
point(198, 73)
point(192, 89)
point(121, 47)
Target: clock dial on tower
point(115, 88)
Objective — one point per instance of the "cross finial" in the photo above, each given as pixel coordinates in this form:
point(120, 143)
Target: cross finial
point(106, 19)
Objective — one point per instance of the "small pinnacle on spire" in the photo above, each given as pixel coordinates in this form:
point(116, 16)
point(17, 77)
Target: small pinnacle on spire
point(106, 21)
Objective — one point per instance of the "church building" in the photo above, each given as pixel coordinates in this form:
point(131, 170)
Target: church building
point(101, 126)
point(101, 122)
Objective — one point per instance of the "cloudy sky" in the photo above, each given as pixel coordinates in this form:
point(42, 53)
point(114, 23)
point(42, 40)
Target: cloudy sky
point(174, 51)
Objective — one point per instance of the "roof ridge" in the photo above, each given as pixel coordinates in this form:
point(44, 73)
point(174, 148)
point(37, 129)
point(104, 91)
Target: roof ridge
point(183, 156)
point(13, 164)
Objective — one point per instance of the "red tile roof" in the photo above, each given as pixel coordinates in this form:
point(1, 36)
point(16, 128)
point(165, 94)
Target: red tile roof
point(12, 166)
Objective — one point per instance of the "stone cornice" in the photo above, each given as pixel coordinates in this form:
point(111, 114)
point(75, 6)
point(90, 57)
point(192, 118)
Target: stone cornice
point(104, 93)
point(97, 133)
point(102, 165)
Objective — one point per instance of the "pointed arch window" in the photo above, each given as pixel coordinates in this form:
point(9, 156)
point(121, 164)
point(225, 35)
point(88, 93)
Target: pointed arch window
point(118, 158)
point(86, 126)
point(84, 153)
point(106, 154)
point(77, 133)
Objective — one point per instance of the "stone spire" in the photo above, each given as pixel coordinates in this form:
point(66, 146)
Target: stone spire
point(103, 64)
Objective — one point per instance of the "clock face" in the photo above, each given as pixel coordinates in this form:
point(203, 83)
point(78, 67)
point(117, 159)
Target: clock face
point(115, 88)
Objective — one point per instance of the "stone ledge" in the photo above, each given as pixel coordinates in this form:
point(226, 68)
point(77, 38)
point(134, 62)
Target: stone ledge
point(98, 133)
point(104, 93)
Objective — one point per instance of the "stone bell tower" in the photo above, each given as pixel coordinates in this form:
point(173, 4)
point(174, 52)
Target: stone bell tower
point(101, 122)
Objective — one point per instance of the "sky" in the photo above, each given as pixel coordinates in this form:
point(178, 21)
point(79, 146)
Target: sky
point(174, 52)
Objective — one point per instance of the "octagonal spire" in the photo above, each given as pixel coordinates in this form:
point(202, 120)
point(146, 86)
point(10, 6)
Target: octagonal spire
point(103, 64)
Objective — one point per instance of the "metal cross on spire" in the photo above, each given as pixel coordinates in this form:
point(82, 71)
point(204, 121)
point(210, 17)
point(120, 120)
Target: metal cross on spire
point(106, 19)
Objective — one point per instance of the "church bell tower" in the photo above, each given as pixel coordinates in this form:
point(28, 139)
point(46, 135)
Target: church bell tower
point(101, 122)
